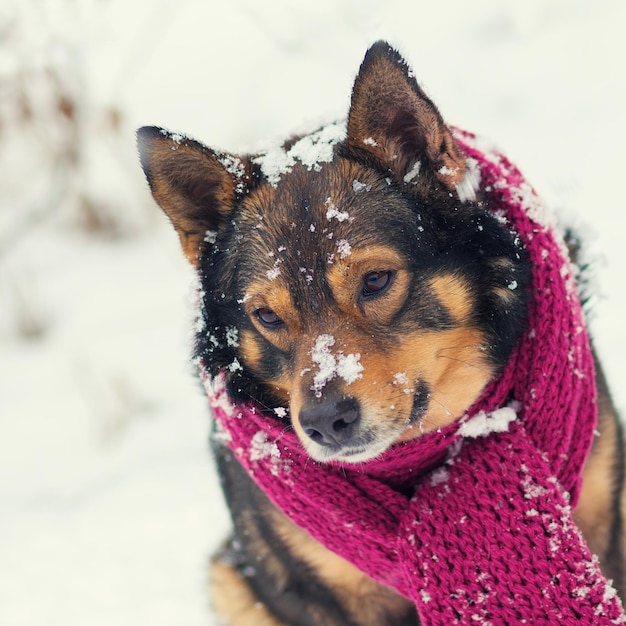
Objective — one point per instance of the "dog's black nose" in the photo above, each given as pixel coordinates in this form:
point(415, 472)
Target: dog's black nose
point(330, 422)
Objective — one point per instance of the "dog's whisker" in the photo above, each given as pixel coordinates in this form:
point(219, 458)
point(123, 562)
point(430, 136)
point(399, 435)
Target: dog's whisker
point(283, 432)
point(479, 365)
point(442, 405)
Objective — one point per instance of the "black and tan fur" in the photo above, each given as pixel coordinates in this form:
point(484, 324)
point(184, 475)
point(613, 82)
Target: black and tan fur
point(408, 272)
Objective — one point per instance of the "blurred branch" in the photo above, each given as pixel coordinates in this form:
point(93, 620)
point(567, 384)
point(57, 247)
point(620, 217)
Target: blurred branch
point(30, 218)
point(60, 146)
point(22, 315)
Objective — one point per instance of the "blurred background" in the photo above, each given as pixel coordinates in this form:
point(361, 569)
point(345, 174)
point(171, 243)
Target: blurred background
point(109, 507)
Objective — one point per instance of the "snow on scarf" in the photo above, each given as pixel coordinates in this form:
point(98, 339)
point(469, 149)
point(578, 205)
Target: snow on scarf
point(487, 536)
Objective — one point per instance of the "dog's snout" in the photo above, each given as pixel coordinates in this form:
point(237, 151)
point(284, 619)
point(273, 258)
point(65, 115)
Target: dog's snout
point(331, 422)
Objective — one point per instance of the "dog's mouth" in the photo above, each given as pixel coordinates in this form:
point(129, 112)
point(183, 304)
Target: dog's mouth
point(349, 453)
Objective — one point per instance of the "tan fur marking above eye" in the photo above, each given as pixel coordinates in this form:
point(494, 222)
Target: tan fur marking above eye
point(506, 294)
point(374, 255)
point(453, 293)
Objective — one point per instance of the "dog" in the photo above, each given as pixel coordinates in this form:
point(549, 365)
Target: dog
point(356, 277)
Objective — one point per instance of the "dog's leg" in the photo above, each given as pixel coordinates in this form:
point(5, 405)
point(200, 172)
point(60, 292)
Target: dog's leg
point(601, 509)
point(234, 602)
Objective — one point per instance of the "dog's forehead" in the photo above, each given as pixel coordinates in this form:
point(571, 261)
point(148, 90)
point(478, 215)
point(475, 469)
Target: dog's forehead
point(315, 214)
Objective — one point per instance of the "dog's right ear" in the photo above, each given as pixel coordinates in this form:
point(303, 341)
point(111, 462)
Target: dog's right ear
point(195, 186)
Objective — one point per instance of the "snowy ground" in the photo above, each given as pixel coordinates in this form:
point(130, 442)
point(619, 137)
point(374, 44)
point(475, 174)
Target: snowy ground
point(109, 506)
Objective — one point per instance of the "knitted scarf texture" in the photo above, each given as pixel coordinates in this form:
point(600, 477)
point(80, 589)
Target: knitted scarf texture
point(472, 522)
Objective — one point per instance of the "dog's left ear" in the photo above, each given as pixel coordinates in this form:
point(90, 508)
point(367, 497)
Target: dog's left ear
point(392, 119)
point(195, 186)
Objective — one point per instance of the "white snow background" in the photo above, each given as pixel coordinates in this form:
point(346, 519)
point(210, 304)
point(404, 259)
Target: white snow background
point(109, 506)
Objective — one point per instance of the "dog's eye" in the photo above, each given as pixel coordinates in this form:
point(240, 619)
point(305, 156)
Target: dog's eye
point(268, 318)
point(375, 283)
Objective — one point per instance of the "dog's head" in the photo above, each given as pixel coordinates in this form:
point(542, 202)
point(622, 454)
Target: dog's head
point(355, 275)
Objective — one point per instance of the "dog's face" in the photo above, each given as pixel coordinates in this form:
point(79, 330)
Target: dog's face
point(356, 280)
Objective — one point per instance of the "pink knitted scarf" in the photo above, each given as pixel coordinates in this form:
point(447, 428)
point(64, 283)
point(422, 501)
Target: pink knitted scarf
point(485, 534)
